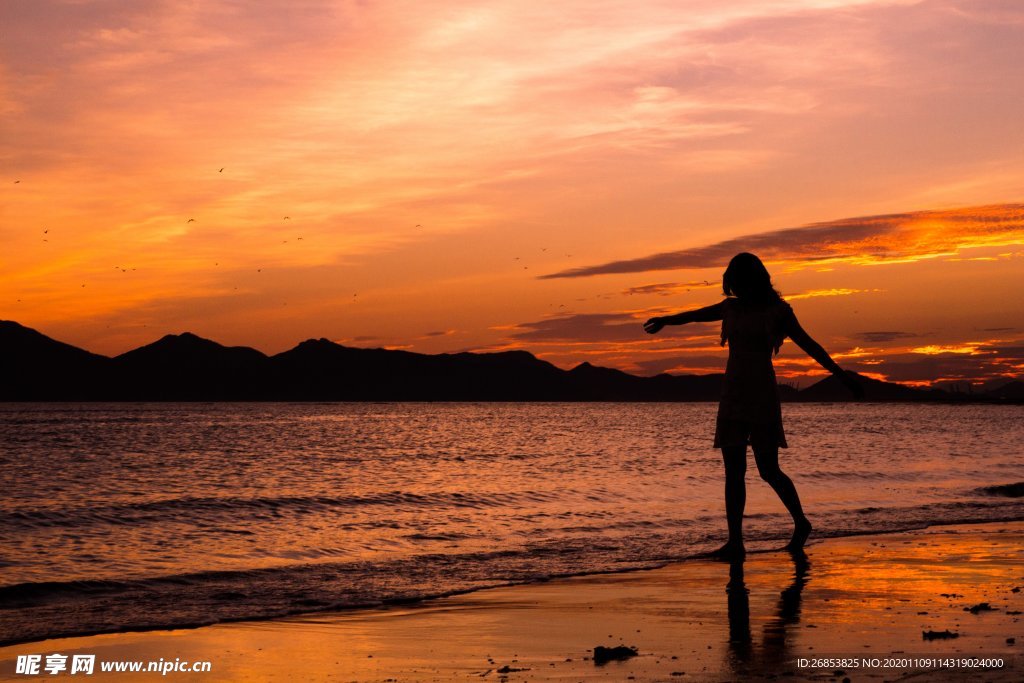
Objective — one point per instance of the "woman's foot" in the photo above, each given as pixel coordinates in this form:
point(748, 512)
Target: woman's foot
point(729, 551)
point(800, 533)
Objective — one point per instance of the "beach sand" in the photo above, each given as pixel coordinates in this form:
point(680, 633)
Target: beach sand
point(856, 598)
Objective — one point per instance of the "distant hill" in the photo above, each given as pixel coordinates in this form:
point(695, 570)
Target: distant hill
point(34, 367)
point(185, 367)
point(1011, 391)
point(832, 389)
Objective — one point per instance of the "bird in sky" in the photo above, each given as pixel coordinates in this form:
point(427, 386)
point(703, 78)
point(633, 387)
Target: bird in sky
point(418, 225)
point(46, 231)
point(287, 218)
point(16, 182)
point(191, 220)
point(220, 171)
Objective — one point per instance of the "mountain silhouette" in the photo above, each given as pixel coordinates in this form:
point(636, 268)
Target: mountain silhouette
point(185, 367)
point(1011, 391)
point(831, 389)
point(34, 367)
point(322, 370)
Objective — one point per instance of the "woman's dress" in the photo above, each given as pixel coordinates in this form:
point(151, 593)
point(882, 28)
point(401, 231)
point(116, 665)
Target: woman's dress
point(749, 411)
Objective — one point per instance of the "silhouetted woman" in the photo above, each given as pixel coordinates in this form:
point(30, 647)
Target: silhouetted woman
point(755, 321)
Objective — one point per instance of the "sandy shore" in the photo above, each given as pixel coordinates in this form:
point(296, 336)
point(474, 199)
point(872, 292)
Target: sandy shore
point(855, 598)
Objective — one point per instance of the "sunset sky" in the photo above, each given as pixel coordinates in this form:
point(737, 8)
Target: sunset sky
point(445, 176)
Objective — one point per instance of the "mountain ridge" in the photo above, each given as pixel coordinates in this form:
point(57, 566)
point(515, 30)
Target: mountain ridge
point(187, 367)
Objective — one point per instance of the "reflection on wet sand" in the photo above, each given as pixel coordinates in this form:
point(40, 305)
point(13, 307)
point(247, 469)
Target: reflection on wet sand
point(774, 652)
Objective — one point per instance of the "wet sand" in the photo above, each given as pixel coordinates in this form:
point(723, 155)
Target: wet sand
point(858, 598)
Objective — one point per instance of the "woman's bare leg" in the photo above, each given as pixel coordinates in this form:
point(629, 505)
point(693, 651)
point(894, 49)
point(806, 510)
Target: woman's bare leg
point(767, 459)
point(735, 459)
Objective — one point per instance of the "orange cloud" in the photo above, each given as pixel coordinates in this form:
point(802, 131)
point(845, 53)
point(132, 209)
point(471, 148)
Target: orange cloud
point(866, 240)
point(934, 349)
point(830, 292)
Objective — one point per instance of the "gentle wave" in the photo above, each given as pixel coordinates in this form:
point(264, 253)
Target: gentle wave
point(32, 611)
point(173, 508)
point(1007, 490)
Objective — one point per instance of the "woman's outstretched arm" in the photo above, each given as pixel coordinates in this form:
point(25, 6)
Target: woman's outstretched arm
point(818, 353)
point(700, 315)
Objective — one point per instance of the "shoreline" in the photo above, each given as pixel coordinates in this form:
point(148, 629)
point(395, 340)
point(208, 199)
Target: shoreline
point(755, 547)
point(852, 595)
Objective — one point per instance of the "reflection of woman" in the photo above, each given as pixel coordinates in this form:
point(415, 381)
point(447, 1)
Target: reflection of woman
point(755, 321)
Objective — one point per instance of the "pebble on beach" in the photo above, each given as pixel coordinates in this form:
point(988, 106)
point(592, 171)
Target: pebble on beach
point(938, 635)
point(980, 607)
point(604, 654)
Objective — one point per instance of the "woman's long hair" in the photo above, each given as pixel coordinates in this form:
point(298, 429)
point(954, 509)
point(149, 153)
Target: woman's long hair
point(746, 278)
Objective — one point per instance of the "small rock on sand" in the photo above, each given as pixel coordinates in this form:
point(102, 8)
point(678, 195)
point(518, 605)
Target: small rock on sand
point(607, 654)
point(938, 635)
point(980, 607)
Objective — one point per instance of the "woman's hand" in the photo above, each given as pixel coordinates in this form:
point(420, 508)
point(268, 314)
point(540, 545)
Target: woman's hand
point(654, 325)
point(851, 382)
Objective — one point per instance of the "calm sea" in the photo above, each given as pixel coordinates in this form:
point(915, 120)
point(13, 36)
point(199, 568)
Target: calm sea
point(126, 516)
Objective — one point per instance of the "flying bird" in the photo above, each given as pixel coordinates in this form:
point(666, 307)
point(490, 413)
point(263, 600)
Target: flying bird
point(191, 220)
point(287, 218)
point(16, 182)
point(220, 171)
point(46, 231)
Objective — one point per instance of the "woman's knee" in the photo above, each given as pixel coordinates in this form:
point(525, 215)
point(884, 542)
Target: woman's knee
point(767, 460)
point(735, 459)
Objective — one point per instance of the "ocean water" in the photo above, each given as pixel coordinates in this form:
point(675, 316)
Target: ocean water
point(132, 516)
